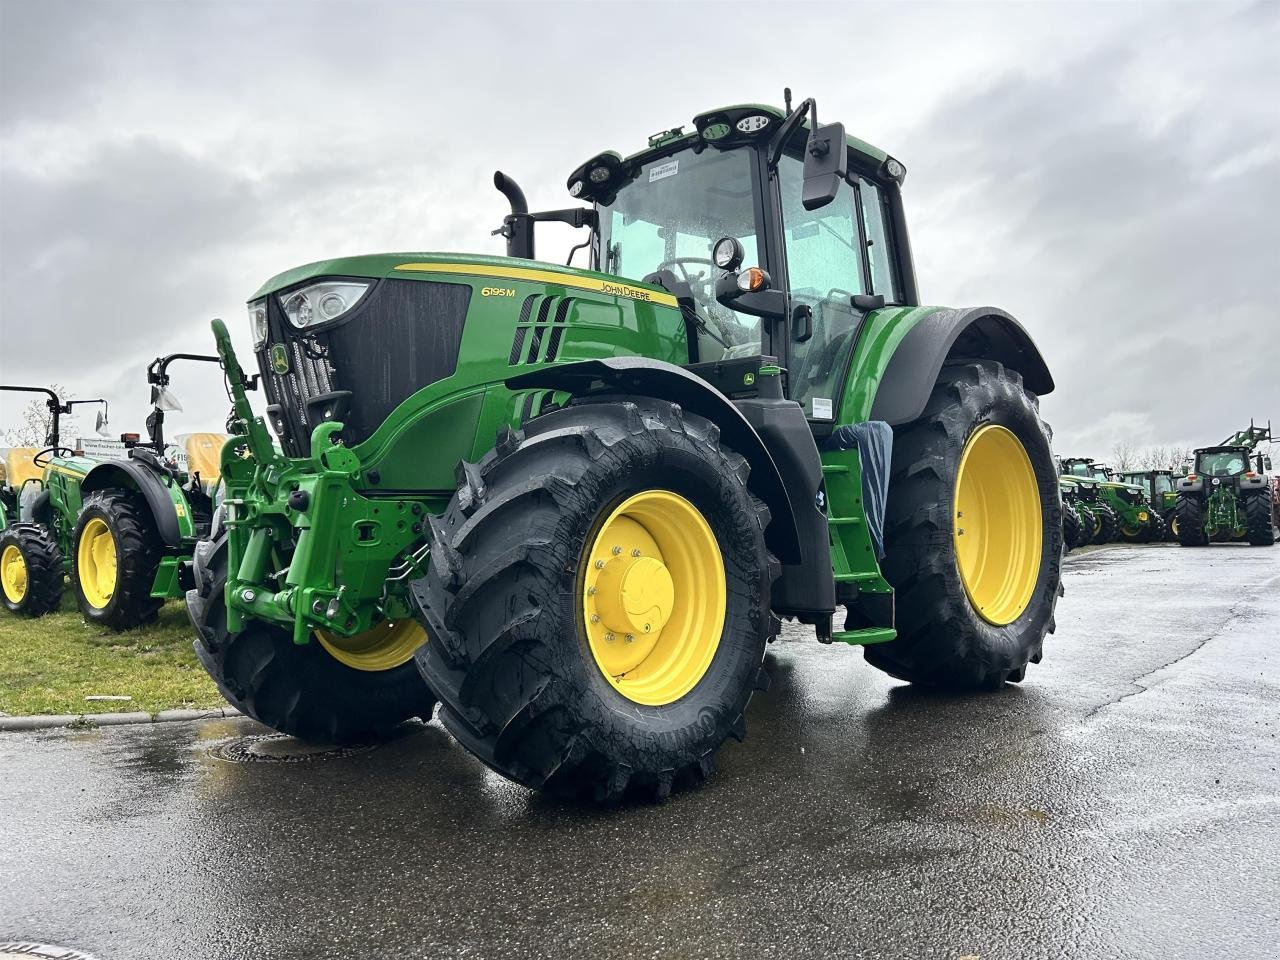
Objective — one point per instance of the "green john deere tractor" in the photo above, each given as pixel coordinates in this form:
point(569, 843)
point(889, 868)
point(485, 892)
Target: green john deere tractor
point(573, 504)
point(1227, 496)
point(118, 526)
point(38, 503)
point(1158, 487)
point(1079, 522)
point(1135, 519)
point(1098, 521)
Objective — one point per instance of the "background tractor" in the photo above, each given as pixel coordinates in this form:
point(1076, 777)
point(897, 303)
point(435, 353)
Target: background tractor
point(574, 504)
point(1228, 496)
point(118, 526)
point(38, 500)
point(1098, 521)
point(1136, 520)
point(1158, 487)
point(140, 515)
point(1079, 523)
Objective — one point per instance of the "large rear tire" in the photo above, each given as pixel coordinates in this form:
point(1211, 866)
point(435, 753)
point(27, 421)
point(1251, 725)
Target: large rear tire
point(1189, 519)
point(1257, 517)
point(538, 671)
point(302, 690)
point(115, 552)
point(30, 571)
point(972, 614)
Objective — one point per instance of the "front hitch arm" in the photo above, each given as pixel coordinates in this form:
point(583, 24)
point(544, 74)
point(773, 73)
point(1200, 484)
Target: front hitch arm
point(251, 427)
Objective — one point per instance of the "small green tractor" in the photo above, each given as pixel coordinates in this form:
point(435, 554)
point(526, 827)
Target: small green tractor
point(1081, 523)
point(1158, 487)
point(119, 527)
point(1135, 520)
point(35, 518)
point(1098, 523)
point(1228, 496)
point(573, 505)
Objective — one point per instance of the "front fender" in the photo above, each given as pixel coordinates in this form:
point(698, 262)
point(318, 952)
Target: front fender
point(666, 381)
point(166, 501)
point(905, 377)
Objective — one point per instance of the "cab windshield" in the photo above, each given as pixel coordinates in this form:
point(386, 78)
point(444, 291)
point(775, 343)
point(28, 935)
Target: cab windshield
point(1224, 464)
point(1163, 484)
point(669, 217)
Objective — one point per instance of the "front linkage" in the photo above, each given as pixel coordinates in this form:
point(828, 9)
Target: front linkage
point(305, 514)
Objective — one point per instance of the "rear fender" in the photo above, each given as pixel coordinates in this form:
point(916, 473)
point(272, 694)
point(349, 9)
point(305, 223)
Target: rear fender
point(163, 496)
point(906, 378)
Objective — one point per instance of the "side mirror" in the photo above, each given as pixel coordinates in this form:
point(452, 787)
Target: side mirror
point(826, 162)
point(100, 426)
point(1266, 463)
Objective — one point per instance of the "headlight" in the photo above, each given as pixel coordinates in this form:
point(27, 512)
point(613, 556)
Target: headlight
point(258, 322)
point(321, 302)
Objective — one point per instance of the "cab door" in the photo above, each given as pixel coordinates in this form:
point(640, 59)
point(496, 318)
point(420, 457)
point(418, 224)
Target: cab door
point(832, 255)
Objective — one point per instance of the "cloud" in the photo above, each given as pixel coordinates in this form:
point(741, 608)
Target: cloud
point(1106, 172)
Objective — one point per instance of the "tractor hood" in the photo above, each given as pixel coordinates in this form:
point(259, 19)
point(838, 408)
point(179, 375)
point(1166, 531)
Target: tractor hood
point(407, 265)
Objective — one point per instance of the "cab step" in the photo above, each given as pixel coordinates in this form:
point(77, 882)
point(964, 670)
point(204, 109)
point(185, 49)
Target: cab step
point(865, 636)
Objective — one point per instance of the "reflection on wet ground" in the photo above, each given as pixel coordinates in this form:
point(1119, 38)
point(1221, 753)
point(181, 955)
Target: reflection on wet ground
point(1124, 801)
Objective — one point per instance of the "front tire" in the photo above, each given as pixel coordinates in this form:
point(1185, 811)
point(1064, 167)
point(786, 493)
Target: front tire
point(1108, 524)
point(1071, 528)
point(301, 690)
point(115, 552)
point(30, 571)
point(525, 608)
point(972, 616)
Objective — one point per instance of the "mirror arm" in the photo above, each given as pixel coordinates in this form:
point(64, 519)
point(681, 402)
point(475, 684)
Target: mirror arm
point(789, 125)
point(768, 304)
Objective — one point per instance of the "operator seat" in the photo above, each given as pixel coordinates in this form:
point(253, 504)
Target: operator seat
point(21, 466)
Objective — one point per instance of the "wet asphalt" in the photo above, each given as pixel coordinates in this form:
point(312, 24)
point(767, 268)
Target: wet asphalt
point(1123, 802)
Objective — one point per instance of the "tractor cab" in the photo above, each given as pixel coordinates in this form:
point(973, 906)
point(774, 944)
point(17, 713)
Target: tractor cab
point(1221, 463)
point(776, 235)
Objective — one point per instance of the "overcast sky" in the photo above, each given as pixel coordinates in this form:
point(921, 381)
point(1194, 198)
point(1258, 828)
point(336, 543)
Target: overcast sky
point(1108, 173)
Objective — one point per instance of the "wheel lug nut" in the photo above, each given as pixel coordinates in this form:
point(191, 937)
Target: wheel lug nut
point(616, 551)
point(595, 618)
point(599, 564)
point(635, 553)
point(609, 637)
point(631, 638)
point(591, 591)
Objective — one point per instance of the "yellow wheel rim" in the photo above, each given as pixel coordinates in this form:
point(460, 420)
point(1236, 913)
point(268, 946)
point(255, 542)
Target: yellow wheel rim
point(1173, 526)
point(96, 563)
point(383, 647)
point(653, 597)
point(997, 532)
point(13, 574)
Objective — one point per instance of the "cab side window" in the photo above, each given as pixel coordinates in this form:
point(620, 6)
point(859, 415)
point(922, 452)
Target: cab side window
point(875, 216)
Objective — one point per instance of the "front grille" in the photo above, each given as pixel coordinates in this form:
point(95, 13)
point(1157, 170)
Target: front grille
point(403, 336)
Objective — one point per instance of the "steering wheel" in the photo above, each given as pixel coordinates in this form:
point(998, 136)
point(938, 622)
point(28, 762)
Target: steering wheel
point(682, 263)
point(49, 452)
